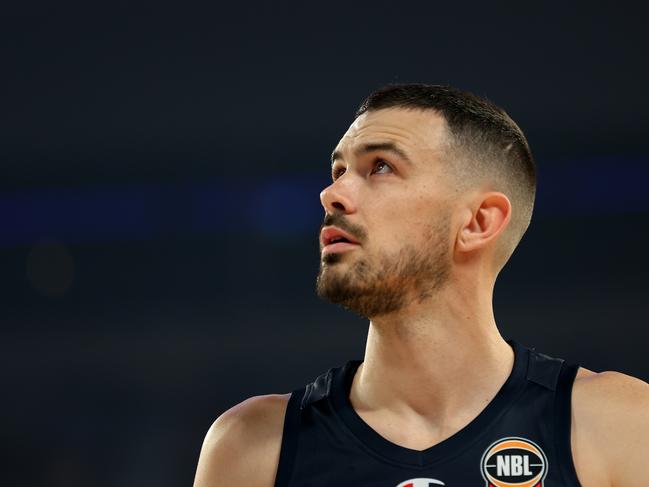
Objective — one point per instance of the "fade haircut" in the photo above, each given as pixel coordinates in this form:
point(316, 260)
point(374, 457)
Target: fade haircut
point(484, 145)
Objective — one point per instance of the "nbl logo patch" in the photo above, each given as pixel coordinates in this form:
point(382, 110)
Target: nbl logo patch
point(420, 483)
point(514, 462)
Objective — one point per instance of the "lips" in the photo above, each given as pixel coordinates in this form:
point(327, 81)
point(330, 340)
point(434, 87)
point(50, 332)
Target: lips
point(334, 235)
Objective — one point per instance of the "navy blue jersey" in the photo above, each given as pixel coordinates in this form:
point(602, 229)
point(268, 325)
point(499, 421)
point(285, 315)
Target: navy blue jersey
point(521, 438)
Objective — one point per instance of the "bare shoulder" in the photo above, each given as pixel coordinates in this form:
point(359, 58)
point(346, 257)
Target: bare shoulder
point(242, 446)
point(610, 429)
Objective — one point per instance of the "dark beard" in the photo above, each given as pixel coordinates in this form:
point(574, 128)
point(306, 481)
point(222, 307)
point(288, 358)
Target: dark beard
point(382, 285)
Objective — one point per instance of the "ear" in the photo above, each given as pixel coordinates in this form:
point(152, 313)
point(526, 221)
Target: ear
point(483, 224)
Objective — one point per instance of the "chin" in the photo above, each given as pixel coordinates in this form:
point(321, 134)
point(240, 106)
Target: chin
point(332, 258)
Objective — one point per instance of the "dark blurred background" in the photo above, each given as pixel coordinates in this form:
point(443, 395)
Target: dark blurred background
point(161, 167)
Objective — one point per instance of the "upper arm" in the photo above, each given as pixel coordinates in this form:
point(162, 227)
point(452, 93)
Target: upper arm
point(612, 416)
point(242, 446)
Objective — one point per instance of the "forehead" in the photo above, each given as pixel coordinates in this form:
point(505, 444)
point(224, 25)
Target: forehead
point(413, 129)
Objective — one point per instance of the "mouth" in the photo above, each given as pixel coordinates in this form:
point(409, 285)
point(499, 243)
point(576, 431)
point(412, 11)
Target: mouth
point(339, 247)
point(333, 239)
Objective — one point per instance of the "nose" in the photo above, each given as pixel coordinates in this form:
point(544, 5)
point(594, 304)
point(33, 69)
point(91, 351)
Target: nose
point(336, 198)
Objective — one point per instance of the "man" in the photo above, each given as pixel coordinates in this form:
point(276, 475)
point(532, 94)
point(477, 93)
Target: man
point(433, 189)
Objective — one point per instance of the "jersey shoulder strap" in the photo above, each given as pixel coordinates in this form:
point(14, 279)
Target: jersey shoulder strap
point(300, 398)
point(563, 415)
point(290, 435)
point(557, 375)
point(543, 369)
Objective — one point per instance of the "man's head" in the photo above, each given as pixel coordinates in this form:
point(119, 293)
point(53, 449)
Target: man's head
point(425, 180)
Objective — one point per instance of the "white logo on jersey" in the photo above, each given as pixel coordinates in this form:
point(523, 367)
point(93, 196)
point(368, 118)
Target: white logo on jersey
point(514, 462)
point(420, 483)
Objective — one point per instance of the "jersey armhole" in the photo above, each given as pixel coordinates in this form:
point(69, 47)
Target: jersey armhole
point(563, 420)
point(290, 434)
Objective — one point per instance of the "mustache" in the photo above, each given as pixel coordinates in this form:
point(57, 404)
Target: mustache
point(340, 221)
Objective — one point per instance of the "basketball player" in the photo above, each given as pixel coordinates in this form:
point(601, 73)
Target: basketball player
point(433, 188)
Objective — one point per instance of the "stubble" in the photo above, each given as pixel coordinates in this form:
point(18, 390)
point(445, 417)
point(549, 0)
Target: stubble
point(381, 284)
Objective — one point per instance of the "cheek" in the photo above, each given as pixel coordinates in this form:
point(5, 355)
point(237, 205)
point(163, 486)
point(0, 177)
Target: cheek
point(406, 216)
point(415, 214)
point(397, 226)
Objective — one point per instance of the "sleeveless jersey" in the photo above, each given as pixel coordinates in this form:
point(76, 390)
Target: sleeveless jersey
point(520, 439)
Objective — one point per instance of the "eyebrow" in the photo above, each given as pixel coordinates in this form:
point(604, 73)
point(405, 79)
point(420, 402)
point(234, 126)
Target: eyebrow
point(371, 147)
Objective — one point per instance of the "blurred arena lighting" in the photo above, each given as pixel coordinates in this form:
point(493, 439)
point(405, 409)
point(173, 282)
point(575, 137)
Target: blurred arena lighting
point(282, 207)
point(50, 268)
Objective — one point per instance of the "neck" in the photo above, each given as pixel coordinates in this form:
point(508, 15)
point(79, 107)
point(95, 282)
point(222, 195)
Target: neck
point(438, 362)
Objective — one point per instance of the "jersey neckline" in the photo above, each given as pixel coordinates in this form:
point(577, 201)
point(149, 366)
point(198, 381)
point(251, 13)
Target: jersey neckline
point(444, 450)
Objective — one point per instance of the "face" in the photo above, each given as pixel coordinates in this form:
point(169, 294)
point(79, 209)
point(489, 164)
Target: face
point(389, 208)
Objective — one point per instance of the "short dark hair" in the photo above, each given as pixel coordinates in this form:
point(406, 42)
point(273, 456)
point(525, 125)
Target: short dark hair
point(484, 142)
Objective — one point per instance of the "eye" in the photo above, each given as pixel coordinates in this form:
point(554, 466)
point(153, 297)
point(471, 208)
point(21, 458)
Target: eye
point(380, 165)
point(337, 172)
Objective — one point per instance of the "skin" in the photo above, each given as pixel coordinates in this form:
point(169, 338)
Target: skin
point(397, 390)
